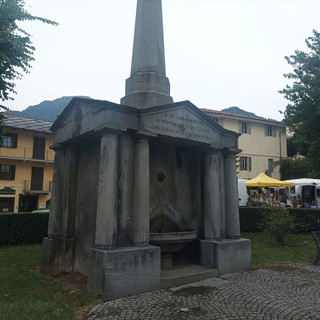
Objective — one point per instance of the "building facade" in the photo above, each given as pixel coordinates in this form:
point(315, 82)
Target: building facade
point(263, 142)
point(26, 164)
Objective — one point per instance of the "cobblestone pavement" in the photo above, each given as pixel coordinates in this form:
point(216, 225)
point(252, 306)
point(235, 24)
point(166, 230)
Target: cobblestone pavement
point(282, 292)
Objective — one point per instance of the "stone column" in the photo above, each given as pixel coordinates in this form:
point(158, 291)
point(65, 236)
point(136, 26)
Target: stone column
point(69, 192)
point(55, 217)
point(223, 196)
point(58, 247)
point(126, 154)
point(141, 192)
point(212, 197)
point(107, 202)
point(232, 198)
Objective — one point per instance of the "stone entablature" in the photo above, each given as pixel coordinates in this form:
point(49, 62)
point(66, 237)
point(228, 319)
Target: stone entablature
point(178, 120)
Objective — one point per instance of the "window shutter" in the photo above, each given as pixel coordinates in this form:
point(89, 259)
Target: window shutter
point(249, 163)
point(248, 127)
point(240, 126)
point(14, 140)
point(12, 172)
point(274, 133)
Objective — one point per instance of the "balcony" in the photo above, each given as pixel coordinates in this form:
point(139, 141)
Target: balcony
point(37, 187)
point(27, 154)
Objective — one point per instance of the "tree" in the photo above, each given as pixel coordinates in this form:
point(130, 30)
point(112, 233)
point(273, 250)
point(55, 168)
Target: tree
point(16, 49)
point(303, 111)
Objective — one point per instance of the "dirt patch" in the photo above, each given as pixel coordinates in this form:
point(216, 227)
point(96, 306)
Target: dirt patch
point(72, 278)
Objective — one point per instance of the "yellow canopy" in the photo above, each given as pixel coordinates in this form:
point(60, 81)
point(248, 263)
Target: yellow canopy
point(262, 180)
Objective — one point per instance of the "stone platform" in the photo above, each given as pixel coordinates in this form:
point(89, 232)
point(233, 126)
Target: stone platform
point(185, 274)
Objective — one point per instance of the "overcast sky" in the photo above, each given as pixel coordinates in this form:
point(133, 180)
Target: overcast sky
point(219, 53)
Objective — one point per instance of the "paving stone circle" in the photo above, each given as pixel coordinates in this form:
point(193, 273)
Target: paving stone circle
point(288, 292)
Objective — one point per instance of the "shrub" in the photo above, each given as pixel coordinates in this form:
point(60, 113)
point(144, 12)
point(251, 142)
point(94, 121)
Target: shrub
point(18, 228)
point(277, 222)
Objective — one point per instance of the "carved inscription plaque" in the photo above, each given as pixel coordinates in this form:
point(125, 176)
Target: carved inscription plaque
point(180, 123)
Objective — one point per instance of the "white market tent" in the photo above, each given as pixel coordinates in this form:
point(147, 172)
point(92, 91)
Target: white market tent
point(304, 182)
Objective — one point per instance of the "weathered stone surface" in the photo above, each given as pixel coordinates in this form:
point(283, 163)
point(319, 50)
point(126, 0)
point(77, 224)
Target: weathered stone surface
point(86, 195)
point(231, 196)
point(126, 158)
point(107, 201)
point(122, 272)
point(226, 255)
point(181, 120)
point(148, 45)
point(83, 117)
point(212, 197)
point(57, 255)
point(171, 200)
point(148, 85)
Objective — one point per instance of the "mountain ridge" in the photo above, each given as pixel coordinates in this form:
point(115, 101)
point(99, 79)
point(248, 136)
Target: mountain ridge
point(51, 109)
point(47, 109)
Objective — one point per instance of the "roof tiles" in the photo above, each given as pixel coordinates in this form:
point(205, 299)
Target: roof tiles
point(20, 122)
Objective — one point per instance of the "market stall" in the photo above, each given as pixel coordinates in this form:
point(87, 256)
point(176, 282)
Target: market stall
point(306, 192)
point(264, 191)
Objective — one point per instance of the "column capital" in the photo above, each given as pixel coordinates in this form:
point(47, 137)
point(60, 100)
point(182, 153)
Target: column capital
point(112, 131)
point(213, 150)
point(231, 152)
point(57, 147)
point(144, 135)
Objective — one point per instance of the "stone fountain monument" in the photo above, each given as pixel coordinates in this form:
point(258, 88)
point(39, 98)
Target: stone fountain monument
point(144, 184)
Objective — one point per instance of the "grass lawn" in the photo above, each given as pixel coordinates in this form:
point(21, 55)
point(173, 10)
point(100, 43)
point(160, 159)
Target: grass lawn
point(297, 248)
point(27, 294)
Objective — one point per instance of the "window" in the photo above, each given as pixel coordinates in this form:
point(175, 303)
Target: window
point(270, 131)
point(7, 172)
point(245, 163)
point(10, 140)
point(244, 127)
point(270, 165)
point(39, 146)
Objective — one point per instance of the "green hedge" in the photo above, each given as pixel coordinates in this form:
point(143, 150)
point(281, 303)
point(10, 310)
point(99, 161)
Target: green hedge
point(308, 219)
point(249, 219)
point(18, 228)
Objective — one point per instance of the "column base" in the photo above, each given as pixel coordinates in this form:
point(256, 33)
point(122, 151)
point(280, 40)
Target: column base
point(227, 255)
point(123, 271)
point(57, 255)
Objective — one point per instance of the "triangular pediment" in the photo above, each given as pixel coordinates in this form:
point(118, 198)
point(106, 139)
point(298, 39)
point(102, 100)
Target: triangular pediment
point(181, 120)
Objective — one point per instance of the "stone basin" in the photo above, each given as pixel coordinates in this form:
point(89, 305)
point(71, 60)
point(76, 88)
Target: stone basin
point(172, 242)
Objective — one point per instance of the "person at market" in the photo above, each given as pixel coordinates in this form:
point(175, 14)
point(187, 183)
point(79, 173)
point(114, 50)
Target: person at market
point(294, 202)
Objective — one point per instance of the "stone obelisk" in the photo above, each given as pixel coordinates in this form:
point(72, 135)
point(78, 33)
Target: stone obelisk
point(148, 85)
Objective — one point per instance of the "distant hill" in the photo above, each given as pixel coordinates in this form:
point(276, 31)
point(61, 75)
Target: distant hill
point(236, 110)
point(50, 110)
point(47, 110)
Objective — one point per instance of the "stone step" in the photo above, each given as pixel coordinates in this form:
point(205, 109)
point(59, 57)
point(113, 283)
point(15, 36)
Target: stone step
point(184, 274)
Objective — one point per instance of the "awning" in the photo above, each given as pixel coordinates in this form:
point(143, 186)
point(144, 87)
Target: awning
point(262, 180)
point(304, 182)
